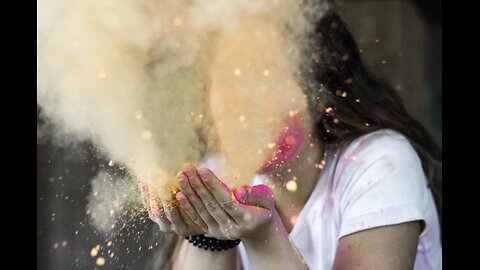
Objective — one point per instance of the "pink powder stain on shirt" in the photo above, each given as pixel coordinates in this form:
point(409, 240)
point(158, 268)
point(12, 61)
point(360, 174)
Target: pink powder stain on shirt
point(389, 166)
point(288, 143)
point(332, 196)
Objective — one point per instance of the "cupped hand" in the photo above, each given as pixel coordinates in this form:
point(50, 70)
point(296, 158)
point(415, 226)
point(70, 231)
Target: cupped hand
point(221, 212)
point(206, 205)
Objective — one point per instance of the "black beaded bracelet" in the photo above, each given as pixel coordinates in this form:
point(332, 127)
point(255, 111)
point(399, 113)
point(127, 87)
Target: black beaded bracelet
point(210, 243)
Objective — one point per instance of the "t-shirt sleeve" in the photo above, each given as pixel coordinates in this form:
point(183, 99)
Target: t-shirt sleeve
point(381, 183)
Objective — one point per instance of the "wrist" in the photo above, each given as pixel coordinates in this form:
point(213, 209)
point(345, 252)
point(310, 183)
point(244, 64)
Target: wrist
point(270, 232)
point(274, 249)
point(191, 257)
point(210, 243)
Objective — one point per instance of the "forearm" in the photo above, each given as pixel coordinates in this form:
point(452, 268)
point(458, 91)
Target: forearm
point(192, 257)
point(277, 252)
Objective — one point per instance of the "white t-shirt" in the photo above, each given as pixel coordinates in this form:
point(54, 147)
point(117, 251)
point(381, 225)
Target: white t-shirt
point(377, 181)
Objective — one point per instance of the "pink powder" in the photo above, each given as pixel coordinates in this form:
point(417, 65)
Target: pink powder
point(288, 144)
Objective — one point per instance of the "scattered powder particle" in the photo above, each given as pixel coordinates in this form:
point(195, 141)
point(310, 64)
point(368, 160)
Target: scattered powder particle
point(100, 261)
point(292, 113)
point(102, 75)
point(146, 135)
point(94, 251)
point(237, 72)
point(293, 219)
point(291, 186)
point(177, 21)
point(290, 140)
point(138, 114)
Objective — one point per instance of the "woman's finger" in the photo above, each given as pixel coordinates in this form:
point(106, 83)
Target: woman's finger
point(143, 188)
point(195, 201)
point(259, 195)
point(188, 209)
point(158, 213)
point(178, 224)
point(144, 197)
point(221, 192)
point(211, 204)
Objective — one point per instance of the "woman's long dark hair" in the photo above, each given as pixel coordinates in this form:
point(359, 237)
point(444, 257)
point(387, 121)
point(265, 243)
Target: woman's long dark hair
point(346, 100)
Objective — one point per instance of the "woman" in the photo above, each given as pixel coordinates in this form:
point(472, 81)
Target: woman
point(370, 177)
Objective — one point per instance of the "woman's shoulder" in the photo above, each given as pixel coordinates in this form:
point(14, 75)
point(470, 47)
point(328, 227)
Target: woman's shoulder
point(384, 142)
point(379, 181)
point(379, 155)
point(381, 136)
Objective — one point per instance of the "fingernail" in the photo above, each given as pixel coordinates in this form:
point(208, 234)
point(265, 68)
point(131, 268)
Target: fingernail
point(182, 180)
point(180, 197)
point(189, 172)
point(204, 174)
